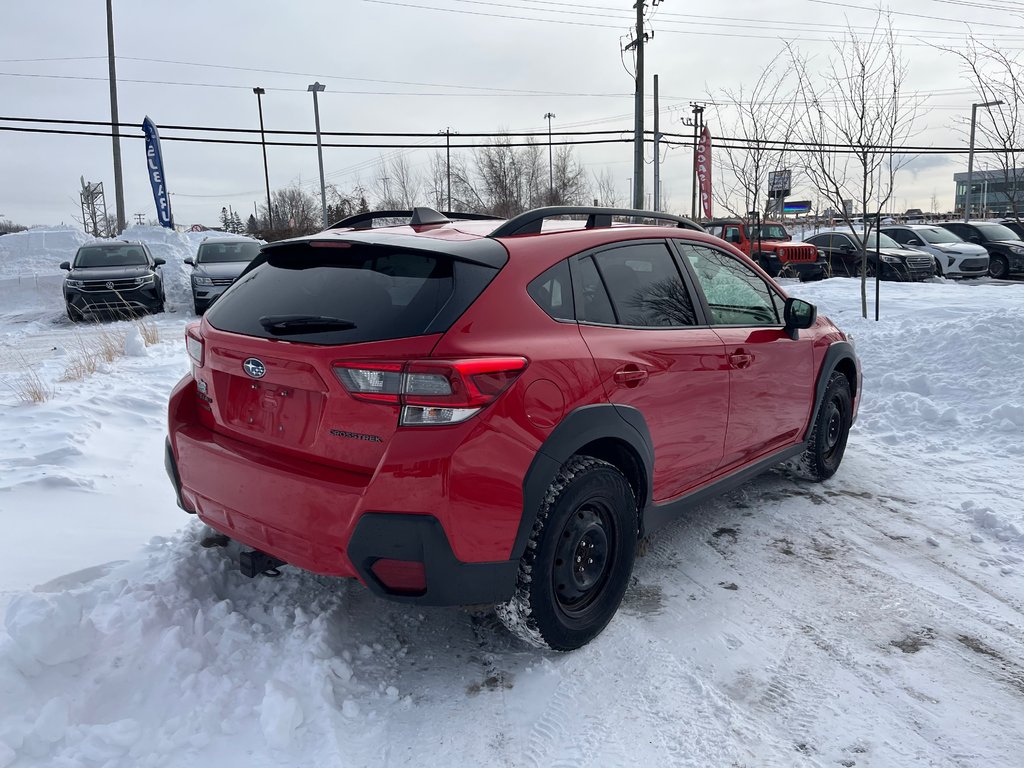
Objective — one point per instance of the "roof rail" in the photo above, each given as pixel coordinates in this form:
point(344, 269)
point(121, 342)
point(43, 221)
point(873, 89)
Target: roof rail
point(418, 217)
point(531, 222)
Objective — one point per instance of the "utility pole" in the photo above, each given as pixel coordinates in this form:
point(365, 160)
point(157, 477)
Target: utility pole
point(697, 121)
point(263, 140)
point(657, 151)
point(316, 88)
point(118, 186)
point(448, 163)
point(551, 165)
point(638, 108)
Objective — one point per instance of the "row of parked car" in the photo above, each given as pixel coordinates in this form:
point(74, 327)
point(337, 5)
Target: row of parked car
point(125, 279)
point(898, 252)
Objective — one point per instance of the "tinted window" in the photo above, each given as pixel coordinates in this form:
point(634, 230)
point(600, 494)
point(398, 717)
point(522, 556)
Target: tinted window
point(732, 235)
point(110, 256)
point(385, 294)
point(770, 232)
point(901, 236)
point(996, 232)
point(217, 252)
point(936, 235)
point(593, 305)
point(645, 286)
point(553, 292)
point(735, 294)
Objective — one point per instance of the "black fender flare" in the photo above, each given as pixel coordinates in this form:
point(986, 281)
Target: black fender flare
point(580, 427)
point(837, 352)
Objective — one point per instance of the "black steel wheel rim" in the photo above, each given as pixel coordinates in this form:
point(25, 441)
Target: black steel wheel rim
point(583, 556)
point(833, 427)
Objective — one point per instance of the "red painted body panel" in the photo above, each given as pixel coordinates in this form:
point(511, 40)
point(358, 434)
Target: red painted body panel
point(258, 460)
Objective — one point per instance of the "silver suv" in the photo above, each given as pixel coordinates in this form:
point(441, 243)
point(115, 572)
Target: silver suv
point(217, 265)
point(954, 257)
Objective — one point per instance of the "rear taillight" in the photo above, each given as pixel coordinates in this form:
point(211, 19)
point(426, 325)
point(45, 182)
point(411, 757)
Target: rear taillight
point(194, 344)
point(431, 392)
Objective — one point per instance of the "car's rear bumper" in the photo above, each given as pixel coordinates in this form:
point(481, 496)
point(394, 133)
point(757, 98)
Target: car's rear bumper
point(330, 521)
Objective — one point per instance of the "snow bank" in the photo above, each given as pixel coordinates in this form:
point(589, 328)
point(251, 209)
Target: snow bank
point(25, 256)
point(39, 251)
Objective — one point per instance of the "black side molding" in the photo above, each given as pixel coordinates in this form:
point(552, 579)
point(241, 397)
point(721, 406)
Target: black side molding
point(836, 353)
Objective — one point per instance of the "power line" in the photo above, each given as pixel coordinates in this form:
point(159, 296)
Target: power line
point(721, 142)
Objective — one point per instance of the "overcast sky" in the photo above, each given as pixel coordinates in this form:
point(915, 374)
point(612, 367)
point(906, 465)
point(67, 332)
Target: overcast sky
point(413, 65)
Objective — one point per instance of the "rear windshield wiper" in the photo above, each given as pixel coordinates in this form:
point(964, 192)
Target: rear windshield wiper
point(304, 323)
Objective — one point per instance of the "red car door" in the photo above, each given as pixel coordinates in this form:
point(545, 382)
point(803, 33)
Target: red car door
point(771, 376)
point(638, 319)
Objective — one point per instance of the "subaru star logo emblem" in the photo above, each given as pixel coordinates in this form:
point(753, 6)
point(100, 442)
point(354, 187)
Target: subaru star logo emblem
point(110, 285)
point(255, 368)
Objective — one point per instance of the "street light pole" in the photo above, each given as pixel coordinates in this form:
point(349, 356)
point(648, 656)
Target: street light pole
point(316, 88)
point(970, 154)
point(263, 140)
point(551, 165)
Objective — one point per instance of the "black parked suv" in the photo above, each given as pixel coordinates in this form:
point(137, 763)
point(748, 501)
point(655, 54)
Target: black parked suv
point(1004, 246)
point(119, 279)
point(217, 265)
point(897, 263)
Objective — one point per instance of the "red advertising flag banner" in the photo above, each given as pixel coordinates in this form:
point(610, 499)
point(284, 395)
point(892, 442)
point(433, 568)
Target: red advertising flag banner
point(702, 162)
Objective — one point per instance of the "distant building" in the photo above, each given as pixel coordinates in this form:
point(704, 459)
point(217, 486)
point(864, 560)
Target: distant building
point(989, 192)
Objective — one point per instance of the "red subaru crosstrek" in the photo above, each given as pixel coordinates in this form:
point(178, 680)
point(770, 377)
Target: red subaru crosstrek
point(463, 412)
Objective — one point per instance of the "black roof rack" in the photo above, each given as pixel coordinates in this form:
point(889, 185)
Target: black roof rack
point(531, 222)
point(418, 217)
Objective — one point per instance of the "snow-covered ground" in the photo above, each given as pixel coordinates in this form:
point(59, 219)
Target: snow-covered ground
point(874, 620)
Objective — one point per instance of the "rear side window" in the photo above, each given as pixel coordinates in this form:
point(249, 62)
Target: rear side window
point(645, 286)
point(593, 304)
point(552, 291)
point(343, 295)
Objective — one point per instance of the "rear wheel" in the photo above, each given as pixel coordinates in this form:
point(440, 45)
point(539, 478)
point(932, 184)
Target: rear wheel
point(579, 558)
point(998, 267)
point(826, 443)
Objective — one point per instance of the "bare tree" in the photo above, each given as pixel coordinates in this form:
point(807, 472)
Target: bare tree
point(604, 189)
point(998, 76)
point(296, 212)
point(757, 115)
point(397, 186)
point(857, 115)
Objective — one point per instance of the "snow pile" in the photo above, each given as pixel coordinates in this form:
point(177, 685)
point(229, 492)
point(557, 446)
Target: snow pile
point(39, 251)
point(869, 620)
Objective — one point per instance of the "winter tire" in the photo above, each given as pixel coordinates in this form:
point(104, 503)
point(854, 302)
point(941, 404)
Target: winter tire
point(579, 558)
point(998, 267)
point(827, 440)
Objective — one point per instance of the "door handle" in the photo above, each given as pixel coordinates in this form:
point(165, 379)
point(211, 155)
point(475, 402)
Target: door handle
point(740, 360)
point(630, 375)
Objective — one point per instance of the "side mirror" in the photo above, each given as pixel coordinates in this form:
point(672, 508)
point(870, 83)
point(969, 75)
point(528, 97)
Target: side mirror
point(974, 239)
point(159, 262)
point(190, 261)
point(913, 241)
point(847, 250)
point(798, 314)
point(734, 237)
point(65, 265)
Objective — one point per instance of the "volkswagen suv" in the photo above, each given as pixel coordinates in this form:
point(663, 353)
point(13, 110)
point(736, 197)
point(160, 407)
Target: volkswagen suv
point(464, 412)
point(117, 278)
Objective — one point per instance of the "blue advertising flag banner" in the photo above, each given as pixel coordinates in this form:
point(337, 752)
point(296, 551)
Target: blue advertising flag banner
point(155, 163)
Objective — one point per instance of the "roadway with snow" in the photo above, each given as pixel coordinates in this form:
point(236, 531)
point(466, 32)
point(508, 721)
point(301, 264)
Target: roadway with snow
point(873, 620)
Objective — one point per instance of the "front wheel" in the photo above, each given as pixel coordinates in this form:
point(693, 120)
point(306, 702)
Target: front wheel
point(826, 443)
point(998, 267)
point(579, 558)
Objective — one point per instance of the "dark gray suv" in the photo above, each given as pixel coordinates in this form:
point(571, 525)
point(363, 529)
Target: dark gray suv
point(119, 279)
point(217, 265)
